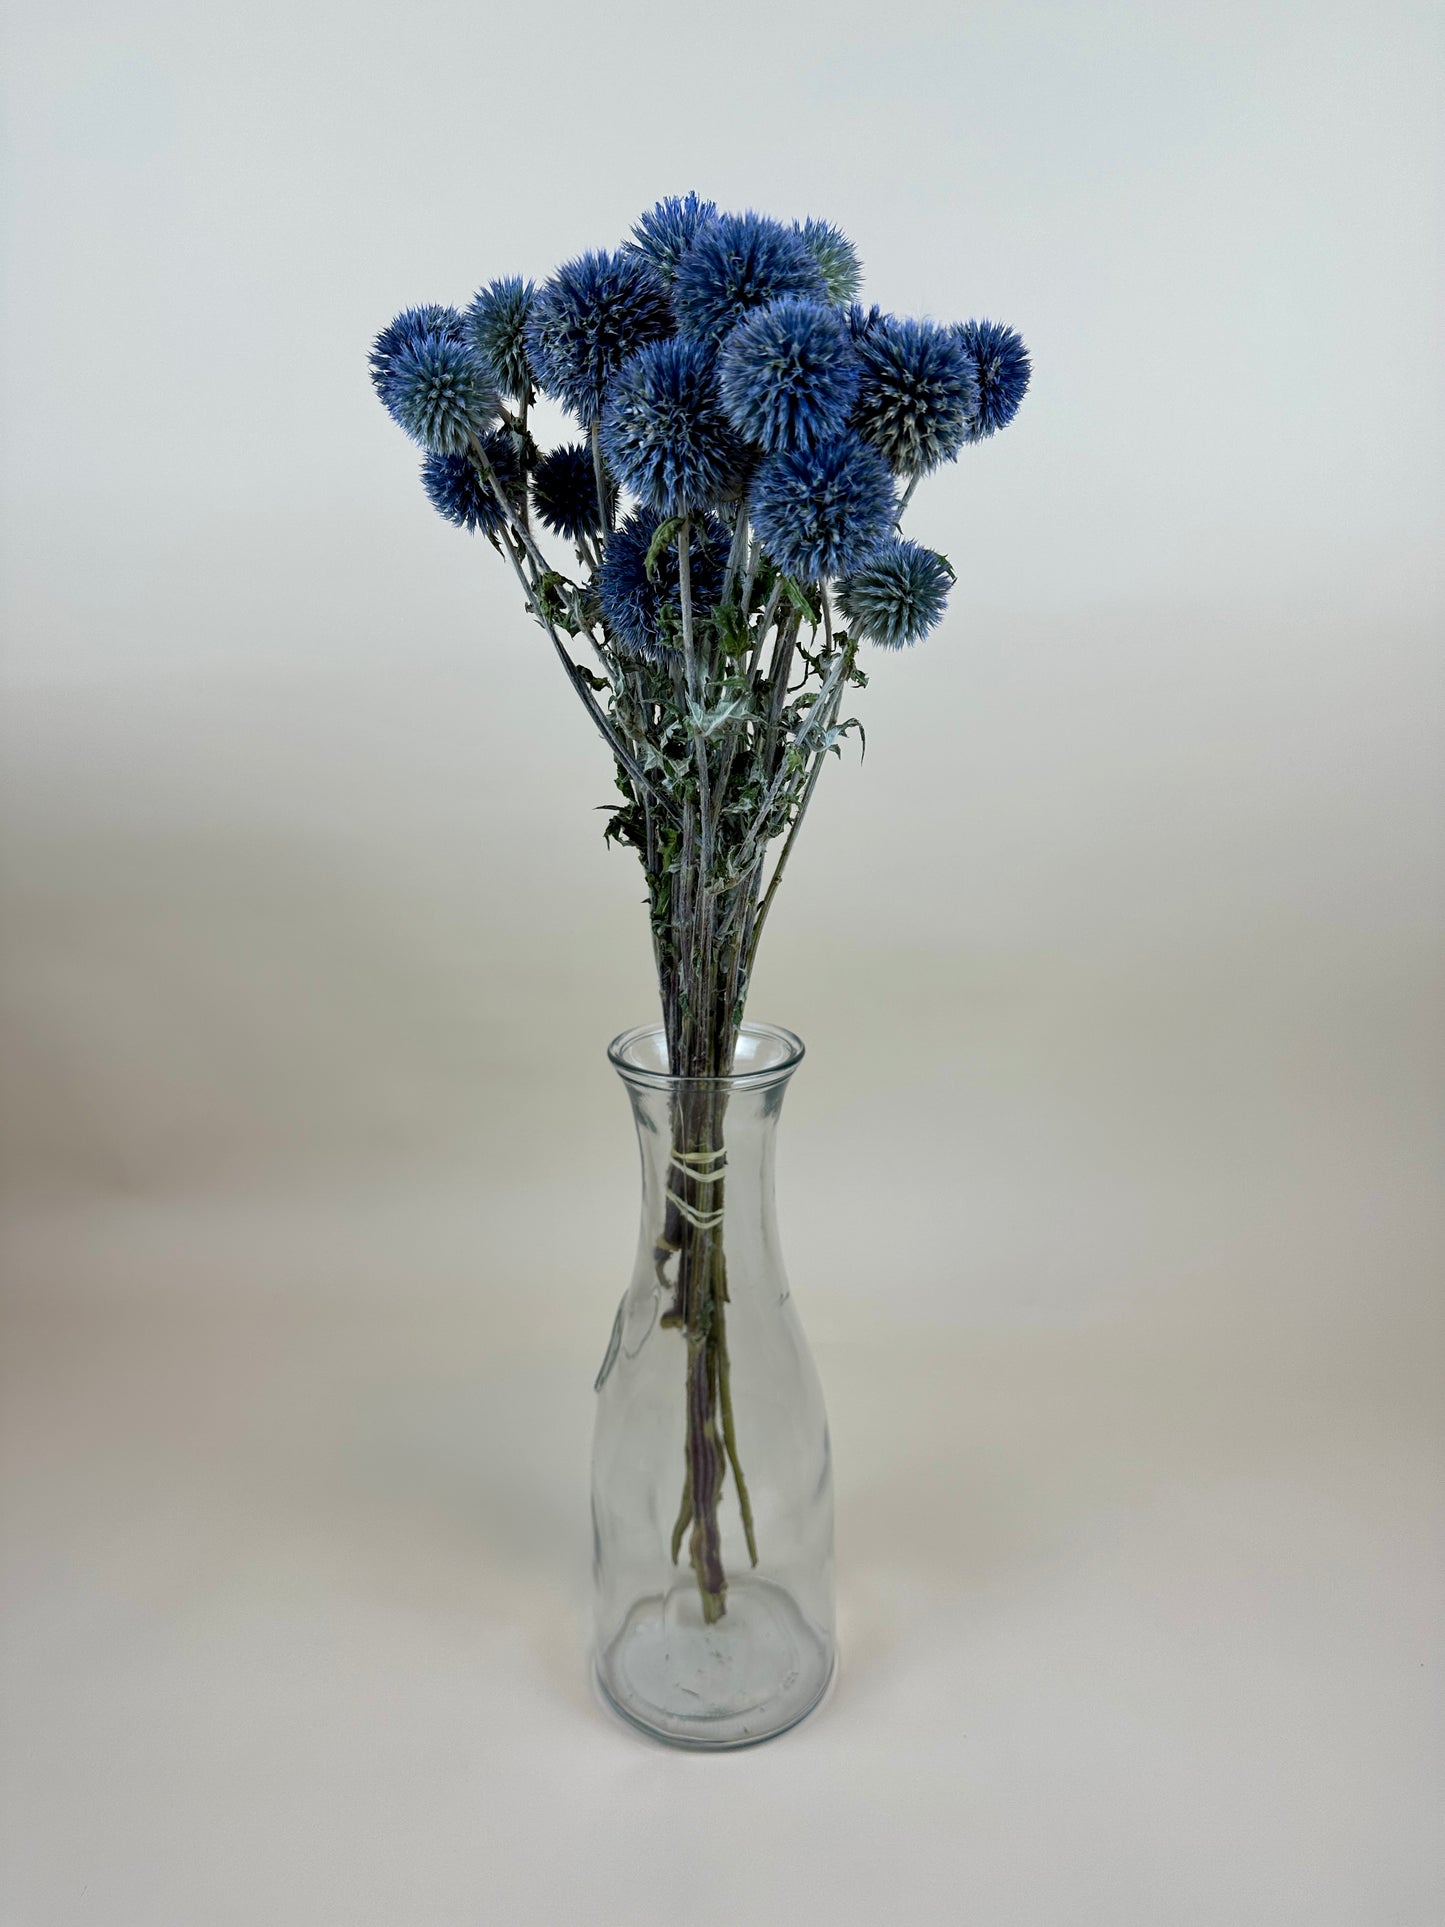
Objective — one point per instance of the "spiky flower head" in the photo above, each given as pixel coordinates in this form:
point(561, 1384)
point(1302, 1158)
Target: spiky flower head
point(587, 320)
point(736, 263)
point(664, 431)
point(898, 594)
point(409, 327)
point(862, 321)
point(823, 511)
point(666, 233)
point(789, 374)
point(643, 612)
point(564, 489)
point(1001, 369)
point(437, 390)
point(836, 256)
point(458, 490)
point(496, 327)
point(918, 396)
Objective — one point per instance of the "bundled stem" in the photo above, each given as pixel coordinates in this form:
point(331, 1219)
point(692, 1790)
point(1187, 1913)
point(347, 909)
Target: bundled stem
point(718, 753)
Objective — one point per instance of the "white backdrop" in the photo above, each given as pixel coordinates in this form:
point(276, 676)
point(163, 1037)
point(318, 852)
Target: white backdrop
point(1111, 1183)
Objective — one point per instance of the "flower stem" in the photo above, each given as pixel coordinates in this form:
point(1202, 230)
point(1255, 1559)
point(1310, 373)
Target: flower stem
point(604, 495)
point(696, 693)
point(575, 677)
point(816, 769)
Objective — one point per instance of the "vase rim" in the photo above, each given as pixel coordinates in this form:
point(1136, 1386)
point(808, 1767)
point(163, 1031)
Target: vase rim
point(640, 1057)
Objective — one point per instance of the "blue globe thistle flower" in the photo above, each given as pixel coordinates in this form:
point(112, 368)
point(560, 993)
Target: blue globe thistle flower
point(862, 321)
point(643, 612)
point(665, 235)
point(897, 596)
point(836, 257)
point(437, 390)
point(592, 315)
point(919, 393)
point(564, 489)
point(458, 490)
point(823, 511)
point(664, 431)
point(789, 374)
point(1001, 369)
point(736, 263)
point(409, 328)
point(496, 327)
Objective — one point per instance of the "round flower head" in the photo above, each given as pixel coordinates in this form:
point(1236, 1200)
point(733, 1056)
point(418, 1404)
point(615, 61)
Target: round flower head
point(438, 391)
point(496, 327)
point(593, 314)
point(664, 431)
point(789, 374)
point(919, 393)
point(410, 326)
point(564, 488)
point(1001, 368)
point(823, 511)
point(665, 235)
point(897, 596)
point(457, 489)
point(643, 612)
point(736, 263)
point(836, 257)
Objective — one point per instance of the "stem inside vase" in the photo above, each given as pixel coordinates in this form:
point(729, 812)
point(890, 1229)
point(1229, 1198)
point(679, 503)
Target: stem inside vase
point(693, 1237)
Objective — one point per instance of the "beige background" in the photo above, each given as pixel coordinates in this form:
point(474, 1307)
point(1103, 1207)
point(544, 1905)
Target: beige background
point(1110, 1184)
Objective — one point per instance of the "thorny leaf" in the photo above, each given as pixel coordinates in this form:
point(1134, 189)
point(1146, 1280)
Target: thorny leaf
point(803, 600)
point(732, 631)
point(664, 538)
point(557, 599)
point(707, 722)
point(624, 826)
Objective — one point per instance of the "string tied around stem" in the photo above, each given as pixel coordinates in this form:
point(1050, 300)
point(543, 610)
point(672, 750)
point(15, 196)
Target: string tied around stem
point(699, 1220)
point(691, 1164)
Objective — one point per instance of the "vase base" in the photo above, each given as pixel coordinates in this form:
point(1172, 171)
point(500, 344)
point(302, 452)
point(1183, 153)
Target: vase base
point(746, 1678)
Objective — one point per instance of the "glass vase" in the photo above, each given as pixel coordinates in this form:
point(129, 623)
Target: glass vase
point(712, 1493)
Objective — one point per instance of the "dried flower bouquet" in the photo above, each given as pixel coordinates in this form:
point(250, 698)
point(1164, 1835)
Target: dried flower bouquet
point(749, 437)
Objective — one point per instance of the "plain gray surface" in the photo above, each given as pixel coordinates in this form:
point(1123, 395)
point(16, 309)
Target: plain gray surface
point(1110, 1188)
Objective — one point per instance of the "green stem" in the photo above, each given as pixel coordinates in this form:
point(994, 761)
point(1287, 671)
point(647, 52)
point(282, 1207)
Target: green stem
point(730, 1439)
point(577, 680)
point(696, 691)
point(819, 757)
point(605, 514)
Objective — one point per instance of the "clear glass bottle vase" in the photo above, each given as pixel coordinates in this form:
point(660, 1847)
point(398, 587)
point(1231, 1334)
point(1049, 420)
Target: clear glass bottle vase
point(712, 1492)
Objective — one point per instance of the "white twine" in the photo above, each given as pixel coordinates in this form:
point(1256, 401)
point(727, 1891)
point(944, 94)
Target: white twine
point(699, 1220)
point(689, 1161)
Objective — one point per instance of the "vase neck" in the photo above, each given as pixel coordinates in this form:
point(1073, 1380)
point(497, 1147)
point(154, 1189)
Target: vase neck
point(763, 1055)
point(707, 1146)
